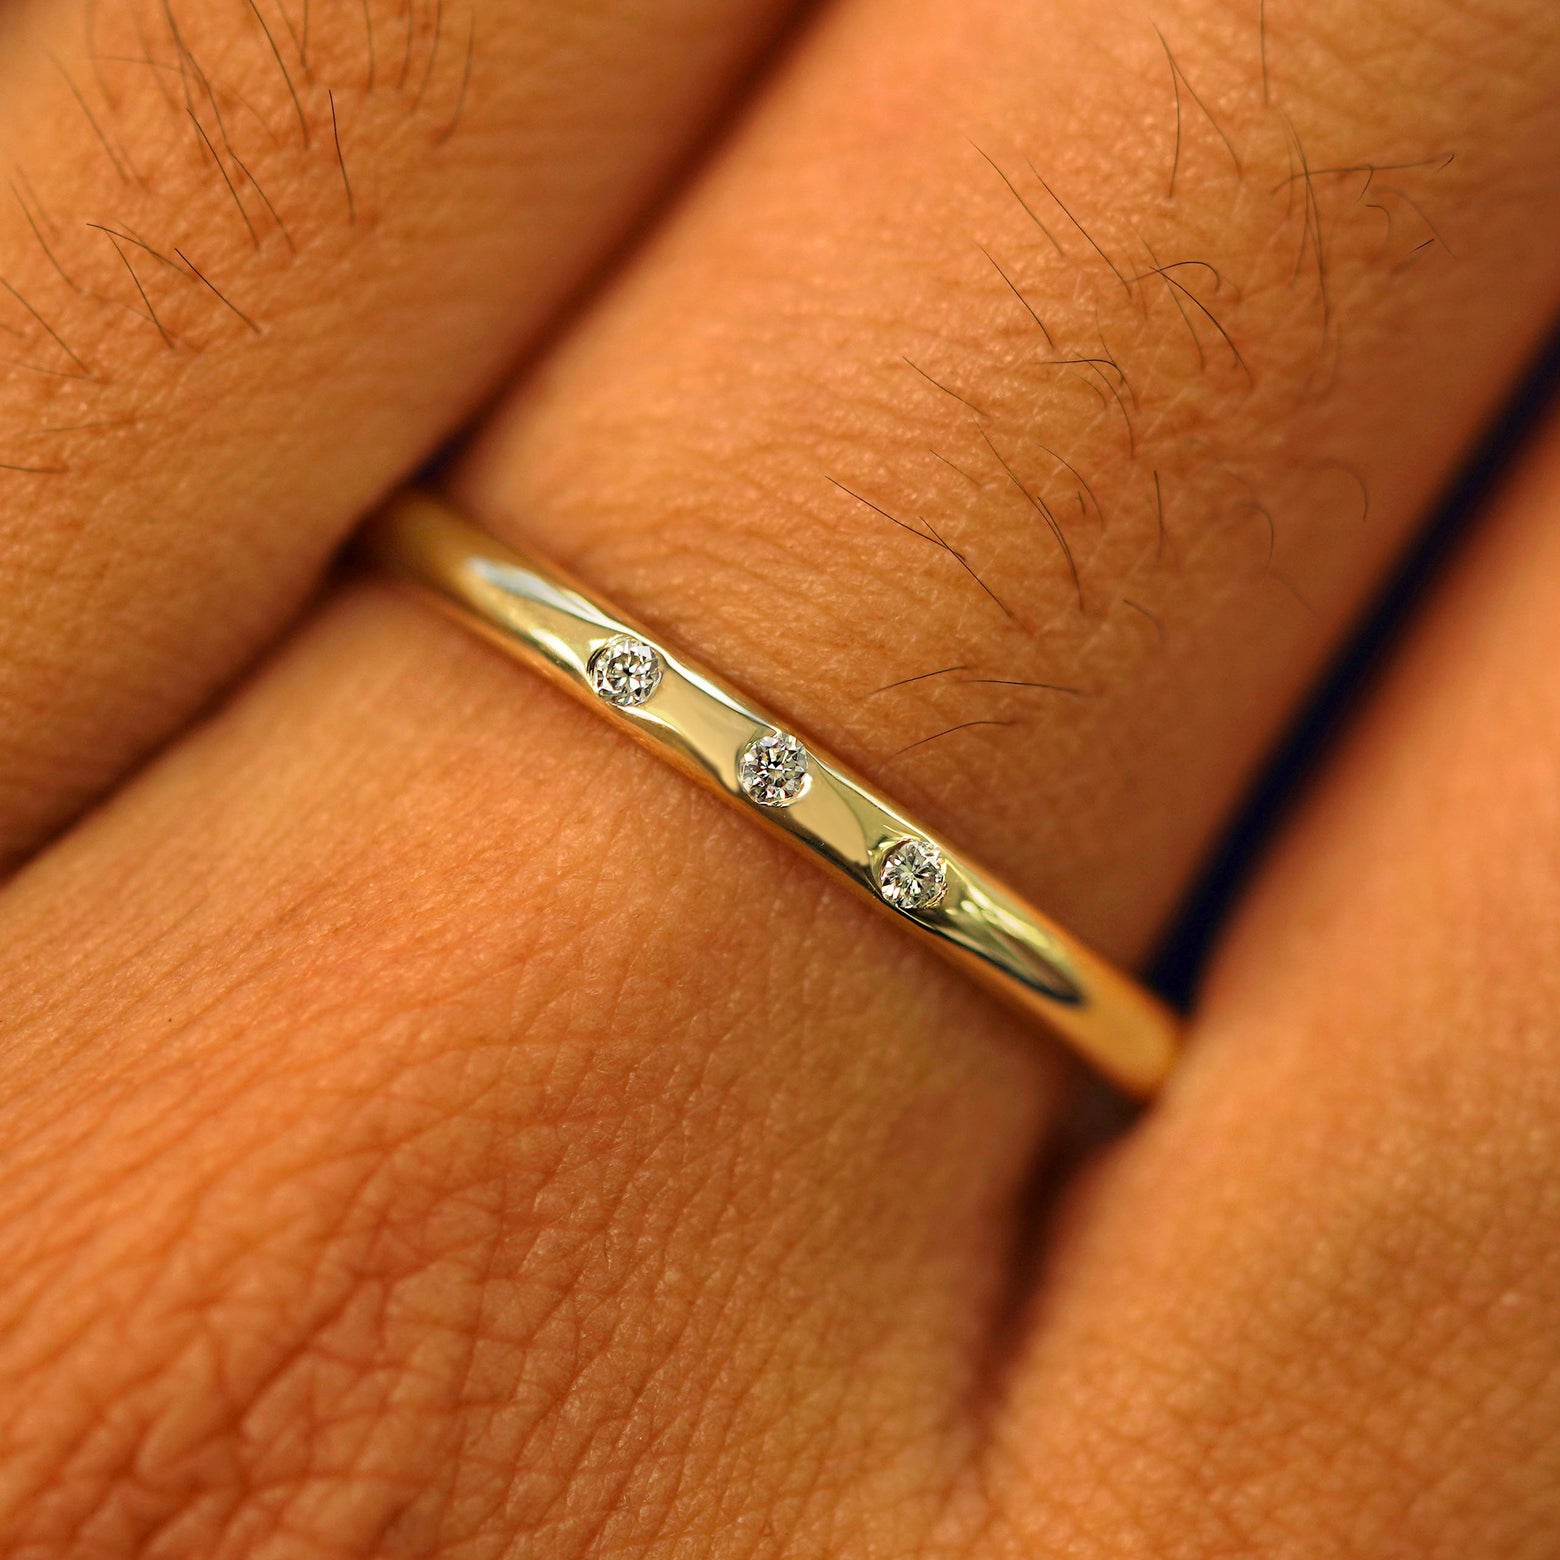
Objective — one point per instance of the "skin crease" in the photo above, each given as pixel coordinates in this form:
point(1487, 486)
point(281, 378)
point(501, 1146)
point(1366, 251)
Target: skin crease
point(465, 1158)
point(186, 462)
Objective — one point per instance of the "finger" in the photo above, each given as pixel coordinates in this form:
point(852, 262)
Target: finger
point(1041, 493)
point(1314, 1304)
point(382, 1171)
point(254, 263)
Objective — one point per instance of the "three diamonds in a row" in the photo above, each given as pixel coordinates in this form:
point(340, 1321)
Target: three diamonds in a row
point(773, 772)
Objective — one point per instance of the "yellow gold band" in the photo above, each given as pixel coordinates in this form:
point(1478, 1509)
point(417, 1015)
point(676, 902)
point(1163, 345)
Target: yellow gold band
point(724, 740)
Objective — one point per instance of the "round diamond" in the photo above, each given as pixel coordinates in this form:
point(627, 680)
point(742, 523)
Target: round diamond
point(911, 875)
point(773, 770)
point(625, 671)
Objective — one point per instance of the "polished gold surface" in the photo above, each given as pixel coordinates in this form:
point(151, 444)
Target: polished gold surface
point(703, 725)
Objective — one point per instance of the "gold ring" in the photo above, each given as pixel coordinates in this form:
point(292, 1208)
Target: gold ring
point(736, 748)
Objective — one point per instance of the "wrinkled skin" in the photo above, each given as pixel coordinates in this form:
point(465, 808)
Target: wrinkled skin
point(433, 1128)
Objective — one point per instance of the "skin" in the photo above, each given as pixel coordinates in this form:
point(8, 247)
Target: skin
point(189, 460)
point(435, 1129)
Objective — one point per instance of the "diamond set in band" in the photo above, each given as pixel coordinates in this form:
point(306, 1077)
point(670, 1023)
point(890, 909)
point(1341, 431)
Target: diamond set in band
point(911, 875)
point(773, 770)
point(625, 671)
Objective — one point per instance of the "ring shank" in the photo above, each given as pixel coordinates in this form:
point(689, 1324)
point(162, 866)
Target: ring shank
point(537, 614)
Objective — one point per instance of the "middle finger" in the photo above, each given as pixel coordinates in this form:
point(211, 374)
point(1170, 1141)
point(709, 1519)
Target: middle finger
point(1160, 340)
